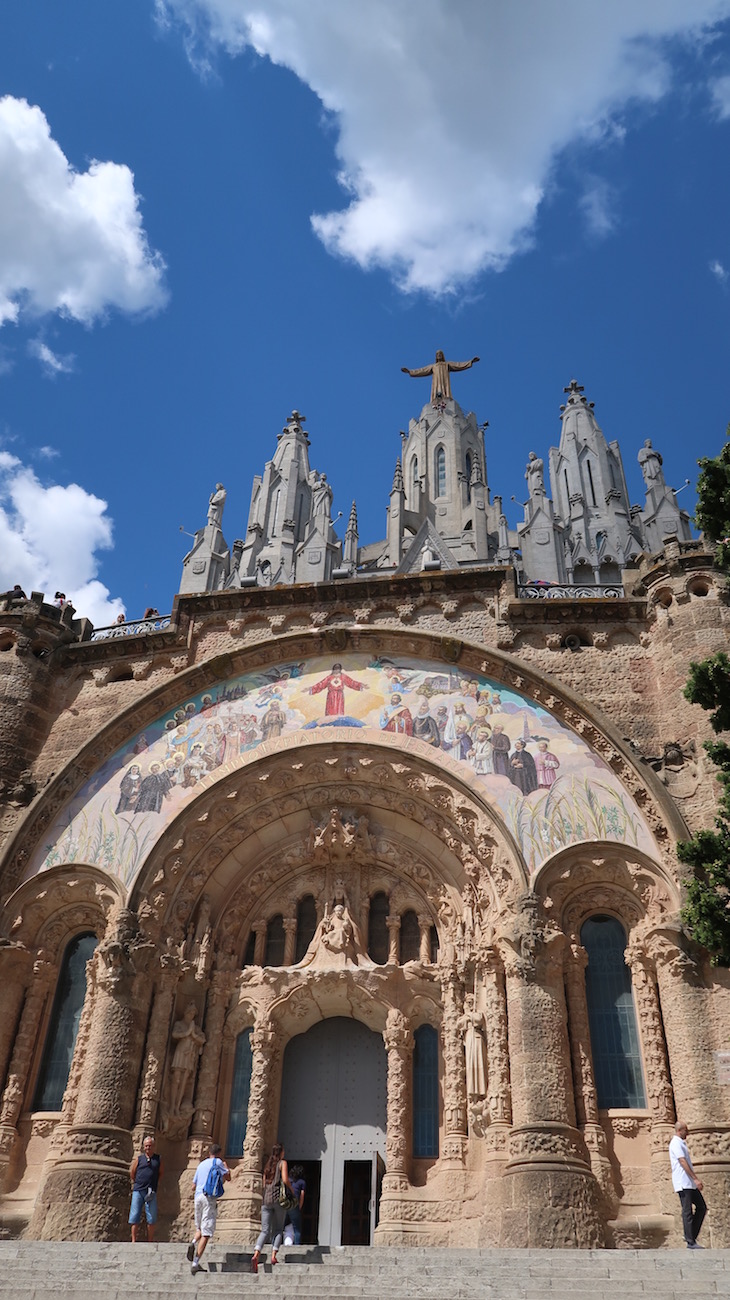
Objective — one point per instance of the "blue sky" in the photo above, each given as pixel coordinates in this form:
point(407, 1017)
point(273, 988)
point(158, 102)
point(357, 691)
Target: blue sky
point(544, 184)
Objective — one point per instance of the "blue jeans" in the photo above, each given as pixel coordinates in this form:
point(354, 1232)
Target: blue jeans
point(272, 1226)
point(139, 1203)
point(295, 1219)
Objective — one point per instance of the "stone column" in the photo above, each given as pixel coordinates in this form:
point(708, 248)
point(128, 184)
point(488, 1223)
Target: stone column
point(499, 1100)
point(551, 1196)
point(660, 1096)
point(687, 1012)
point(658, 1082)
point(424, 926)
point(26, 1038)
point(454, 1082)
point(398, 1040)
point(259, 1123)
point(16, 965)
point(393, 924)
point(259, 951)
point(86, 1194)
point(158, 1033)
point(221, 987)
point(290, 932)
point(586, 1100)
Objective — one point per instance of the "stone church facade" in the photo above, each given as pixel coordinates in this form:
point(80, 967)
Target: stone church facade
point(373, 848)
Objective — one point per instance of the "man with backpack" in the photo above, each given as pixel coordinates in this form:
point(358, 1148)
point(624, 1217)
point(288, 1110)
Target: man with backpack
point(208, 1188)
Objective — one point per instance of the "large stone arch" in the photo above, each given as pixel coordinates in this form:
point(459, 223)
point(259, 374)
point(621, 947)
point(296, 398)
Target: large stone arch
point(245, 843)
point(641, 785)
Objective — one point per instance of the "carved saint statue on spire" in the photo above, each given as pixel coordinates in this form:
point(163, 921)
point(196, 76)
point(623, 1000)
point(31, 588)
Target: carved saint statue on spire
point(440, 371)
point(216, 502)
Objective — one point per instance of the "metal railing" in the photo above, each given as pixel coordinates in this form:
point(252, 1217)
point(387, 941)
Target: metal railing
point(561, 591)
point(140, 628)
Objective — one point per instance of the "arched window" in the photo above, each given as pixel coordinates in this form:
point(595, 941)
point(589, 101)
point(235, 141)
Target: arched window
point(306, 925)
point(468, 475)
point(425, 1093)
point(433, 945)
point(250, 953)
point(612, 1016)
point(64, 1024)
point(440, 472)
point(240, 1091)
point(415, 480)
point(410, 937)
point(274, 951)
point(277, 503)
point(378, 944)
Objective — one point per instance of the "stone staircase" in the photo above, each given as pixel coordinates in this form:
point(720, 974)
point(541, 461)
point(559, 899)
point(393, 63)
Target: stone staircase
point(114, 1271)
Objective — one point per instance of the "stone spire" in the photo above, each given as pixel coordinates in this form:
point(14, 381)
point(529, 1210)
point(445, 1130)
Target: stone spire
point(349, 553)
point(395, 517)
point(207, 564)
point(441, 481)
point(290, 536)
point(661, 517)
point(590, 495)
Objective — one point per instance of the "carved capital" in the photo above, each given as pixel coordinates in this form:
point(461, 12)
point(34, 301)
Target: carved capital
point(397, 1034)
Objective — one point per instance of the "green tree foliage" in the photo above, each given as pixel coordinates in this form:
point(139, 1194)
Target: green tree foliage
point(713, 502)
point(706, 913)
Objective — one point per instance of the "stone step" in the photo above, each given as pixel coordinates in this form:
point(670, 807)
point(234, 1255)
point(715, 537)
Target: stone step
point(117, 1271)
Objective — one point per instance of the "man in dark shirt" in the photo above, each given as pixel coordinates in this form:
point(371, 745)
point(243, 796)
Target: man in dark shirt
point(145, 1172)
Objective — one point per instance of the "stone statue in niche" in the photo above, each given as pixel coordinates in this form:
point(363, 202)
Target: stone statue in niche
point(471, 1025)
point(200, 944)
point(337, 941)
point(189, 1041)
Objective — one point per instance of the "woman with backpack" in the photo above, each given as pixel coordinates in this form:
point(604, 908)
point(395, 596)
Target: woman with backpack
point(273, 1213)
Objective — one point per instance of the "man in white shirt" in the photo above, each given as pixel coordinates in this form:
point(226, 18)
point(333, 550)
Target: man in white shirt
point(206, 1207)
point(687, 1186)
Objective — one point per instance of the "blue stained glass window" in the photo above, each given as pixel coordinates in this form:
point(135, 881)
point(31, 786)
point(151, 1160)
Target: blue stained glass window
point(275, 940)
point(440, 472)
point(612, 1016)
point(410, 937)
point(425, 1093)
point(64, 1025)
point(240, 1091)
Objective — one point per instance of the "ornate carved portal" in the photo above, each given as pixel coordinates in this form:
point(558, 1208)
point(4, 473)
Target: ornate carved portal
point(350, 881)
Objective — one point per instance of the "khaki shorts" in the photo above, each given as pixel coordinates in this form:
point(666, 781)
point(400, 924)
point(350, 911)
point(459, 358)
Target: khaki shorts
point(206, 1213)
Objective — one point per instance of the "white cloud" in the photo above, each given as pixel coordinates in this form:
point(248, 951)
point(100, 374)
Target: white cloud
point(598, 205)
point(451, 113)
point(49, 539)
point(719, 272)
point(53, 363)
point(720, 89)
point(70, 242)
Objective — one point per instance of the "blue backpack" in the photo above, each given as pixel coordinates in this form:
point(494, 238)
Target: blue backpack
point(214, 1182)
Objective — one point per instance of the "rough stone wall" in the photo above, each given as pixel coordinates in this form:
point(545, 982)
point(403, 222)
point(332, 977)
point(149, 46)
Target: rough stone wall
point(625, 660)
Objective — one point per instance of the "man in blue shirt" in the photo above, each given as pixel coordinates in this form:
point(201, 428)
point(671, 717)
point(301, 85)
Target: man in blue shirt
point(206, 1207)
point(145, 1172)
